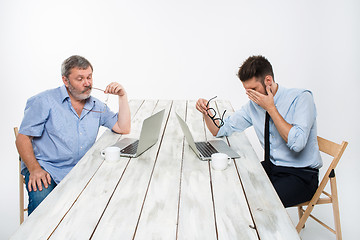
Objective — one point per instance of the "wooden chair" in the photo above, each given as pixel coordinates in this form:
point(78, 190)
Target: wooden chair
point(335, 150)
point(21, 186)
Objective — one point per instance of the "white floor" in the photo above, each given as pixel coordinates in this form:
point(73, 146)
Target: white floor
point(313, 230)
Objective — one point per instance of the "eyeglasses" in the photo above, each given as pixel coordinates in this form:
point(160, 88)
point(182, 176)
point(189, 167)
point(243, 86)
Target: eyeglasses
point(103, 96)
point(212, 113)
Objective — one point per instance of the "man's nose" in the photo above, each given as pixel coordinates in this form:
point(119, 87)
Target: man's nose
point(87, 82)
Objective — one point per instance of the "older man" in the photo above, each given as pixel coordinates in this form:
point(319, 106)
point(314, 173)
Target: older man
point(61, 124)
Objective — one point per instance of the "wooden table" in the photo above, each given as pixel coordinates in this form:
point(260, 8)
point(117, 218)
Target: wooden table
point(165, 193)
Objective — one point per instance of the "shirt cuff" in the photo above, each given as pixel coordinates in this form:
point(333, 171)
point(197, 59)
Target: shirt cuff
point(221, 132)
point(295, 140)
point(30, 132)
point(111, 122)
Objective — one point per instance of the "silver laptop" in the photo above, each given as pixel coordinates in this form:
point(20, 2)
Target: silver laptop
point(204, 149)
point(132, 147)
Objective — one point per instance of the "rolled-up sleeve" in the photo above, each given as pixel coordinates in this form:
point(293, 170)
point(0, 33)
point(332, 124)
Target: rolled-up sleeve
point(35, 115)
point(238, 122)
point(108, 119)
point(304, 117)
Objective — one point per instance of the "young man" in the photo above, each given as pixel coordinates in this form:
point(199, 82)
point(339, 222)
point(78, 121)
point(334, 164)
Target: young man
point(61, 124)
point(292, 157)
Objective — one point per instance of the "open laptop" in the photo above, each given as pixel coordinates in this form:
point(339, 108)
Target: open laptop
point(132, 147)
point(204, 149)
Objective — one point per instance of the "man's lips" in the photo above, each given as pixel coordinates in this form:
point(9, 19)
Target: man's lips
point(86, 90)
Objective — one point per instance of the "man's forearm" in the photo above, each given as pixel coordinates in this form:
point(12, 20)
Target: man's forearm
point(26, 151)
point(124, 117)
point(281, 125)
point(210, 125)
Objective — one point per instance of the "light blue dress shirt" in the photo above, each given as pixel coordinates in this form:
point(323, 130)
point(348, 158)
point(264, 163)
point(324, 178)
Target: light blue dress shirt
point(60, 136)
point(297, 107)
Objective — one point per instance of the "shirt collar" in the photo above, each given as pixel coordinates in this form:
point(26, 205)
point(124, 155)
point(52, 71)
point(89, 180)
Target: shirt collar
point(278, 93)
point(90, 102)
point(63, 93)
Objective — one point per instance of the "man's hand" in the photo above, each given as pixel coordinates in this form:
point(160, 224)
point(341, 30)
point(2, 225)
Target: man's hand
point(264, 101)
point(201, 105)
point(116, 89)
point(267, 103)
point(36, 177)
point(37, 174)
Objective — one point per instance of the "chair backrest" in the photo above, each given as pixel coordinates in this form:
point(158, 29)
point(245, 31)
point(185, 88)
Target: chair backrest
point(21, 185)
point(329, 147)
point(16, 131)
point(335, 150)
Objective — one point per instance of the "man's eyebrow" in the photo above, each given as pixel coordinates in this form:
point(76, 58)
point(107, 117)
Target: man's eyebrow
point(82, 75)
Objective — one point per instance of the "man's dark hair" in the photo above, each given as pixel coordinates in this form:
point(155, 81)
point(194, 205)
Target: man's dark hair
point(74, 61)
point(255, 66)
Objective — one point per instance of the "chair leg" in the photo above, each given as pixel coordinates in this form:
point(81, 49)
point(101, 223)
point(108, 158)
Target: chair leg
point(303, 218)
point(300, 213)
point(21, 196)
point(335, 204)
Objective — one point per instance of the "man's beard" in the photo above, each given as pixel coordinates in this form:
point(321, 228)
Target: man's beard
point(264, 86)
point(77, 94)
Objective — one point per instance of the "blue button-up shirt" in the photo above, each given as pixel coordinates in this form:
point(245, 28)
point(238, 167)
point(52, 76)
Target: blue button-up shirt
point(60, 136)
point(297, 107)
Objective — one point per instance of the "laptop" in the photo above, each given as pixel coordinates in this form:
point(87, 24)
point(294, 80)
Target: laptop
point(204, 149)
point(132, 147)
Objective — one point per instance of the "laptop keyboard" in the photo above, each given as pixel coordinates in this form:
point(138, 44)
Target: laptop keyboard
point(205, 148)
point(131, 149)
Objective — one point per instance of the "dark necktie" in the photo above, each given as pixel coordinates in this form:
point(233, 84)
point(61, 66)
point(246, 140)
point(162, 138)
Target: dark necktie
point(267, 138)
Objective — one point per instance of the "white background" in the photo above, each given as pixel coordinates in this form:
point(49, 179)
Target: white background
point(167, 49)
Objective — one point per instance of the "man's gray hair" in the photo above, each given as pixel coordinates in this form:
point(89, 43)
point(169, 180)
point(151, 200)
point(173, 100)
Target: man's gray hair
point(74, 61)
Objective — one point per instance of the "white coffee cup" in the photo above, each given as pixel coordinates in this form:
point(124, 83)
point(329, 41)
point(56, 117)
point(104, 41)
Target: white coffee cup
point(111, 154)
point(220, 161)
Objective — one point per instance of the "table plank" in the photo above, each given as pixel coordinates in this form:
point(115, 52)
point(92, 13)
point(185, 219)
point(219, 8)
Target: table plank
point(271, 218)
point(196, 213)
point(166, 193)
point(233, 218)
point(56, 205)
point(159, 216)
point(121, 216)
point(87, 210)
point(50, 212)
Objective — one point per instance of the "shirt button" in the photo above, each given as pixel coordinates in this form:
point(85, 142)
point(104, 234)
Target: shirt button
point(80, 147)
point(80, 133)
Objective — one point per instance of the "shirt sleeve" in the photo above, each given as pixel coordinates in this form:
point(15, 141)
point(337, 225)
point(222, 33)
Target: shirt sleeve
point(238, 121)
point(303, 119)
point(35, 115)
point(108, 119)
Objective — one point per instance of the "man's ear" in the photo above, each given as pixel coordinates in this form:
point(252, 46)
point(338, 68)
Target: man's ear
point(65, 81)
point(268, 80)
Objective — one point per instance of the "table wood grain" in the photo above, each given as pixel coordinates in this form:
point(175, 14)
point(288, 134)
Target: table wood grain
point(165, 193)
